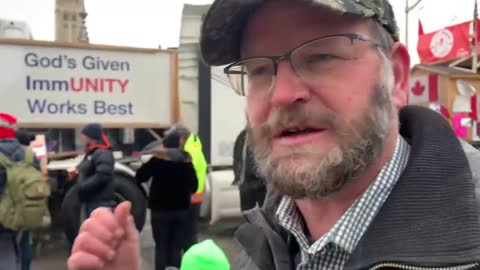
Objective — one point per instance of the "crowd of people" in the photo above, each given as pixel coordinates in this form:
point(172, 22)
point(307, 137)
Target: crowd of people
point(171, 200)
point(173, 172)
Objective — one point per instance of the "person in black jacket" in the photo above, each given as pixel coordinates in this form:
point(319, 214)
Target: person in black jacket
point(252, 187)
point(95, 172)
point(173, 182)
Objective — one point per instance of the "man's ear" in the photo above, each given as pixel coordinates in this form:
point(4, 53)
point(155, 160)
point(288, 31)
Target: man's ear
point(401, 71)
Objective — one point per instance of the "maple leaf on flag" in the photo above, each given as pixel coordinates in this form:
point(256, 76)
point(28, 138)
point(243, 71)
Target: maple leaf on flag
point(418, 89)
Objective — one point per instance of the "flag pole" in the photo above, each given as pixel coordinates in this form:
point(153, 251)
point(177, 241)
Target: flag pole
point(406, 23)
point(409, 8)
point(475, 39)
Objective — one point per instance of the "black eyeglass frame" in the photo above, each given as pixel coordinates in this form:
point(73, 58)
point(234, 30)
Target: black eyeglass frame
point(276, 59)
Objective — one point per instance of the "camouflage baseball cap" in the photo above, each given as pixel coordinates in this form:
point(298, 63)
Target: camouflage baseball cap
point(225, 20)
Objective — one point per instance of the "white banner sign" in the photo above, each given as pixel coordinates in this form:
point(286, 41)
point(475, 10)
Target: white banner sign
point(51, 85)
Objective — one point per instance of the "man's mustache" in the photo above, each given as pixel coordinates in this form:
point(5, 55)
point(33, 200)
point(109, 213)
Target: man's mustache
point(299, 116)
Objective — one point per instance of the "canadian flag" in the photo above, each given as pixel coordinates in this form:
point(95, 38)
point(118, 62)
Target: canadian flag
point(423, 89)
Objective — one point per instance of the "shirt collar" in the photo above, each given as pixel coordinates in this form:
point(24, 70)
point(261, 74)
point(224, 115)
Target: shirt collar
point(348, 230)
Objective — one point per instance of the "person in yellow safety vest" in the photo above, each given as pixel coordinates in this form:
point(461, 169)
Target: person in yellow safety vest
point(193, 146)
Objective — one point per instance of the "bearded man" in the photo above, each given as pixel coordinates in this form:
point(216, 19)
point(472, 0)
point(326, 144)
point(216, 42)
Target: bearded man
point(357, 179)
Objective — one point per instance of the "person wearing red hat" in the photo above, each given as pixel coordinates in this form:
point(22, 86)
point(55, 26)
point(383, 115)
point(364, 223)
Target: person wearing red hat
point(7, 126)
point(12, 251)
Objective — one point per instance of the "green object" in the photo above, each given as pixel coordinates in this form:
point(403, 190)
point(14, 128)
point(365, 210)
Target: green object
point(205, 255)
point(193, 146)
point(23, 202)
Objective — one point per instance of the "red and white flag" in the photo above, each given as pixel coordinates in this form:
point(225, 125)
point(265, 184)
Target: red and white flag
point(449, 43)
point(420, 28)
point(423, 89)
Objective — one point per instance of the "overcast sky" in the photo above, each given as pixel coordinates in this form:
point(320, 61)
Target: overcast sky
point(150, 23)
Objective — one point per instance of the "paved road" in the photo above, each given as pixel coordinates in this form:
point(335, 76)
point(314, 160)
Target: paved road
point(54, 254)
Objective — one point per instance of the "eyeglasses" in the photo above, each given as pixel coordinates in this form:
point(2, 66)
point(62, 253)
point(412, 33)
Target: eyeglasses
point(312, 61)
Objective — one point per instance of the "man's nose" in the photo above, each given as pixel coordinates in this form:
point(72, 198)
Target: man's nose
point(288, 88)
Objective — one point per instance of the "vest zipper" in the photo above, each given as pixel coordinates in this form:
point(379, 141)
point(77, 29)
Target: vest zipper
point(411, 267)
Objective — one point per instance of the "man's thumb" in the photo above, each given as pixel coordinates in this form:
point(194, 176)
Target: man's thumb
point(122, 211)
point(123, 216)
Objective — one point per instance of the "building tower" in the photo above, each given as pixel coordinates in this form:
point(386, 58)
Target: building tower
point(70, 21)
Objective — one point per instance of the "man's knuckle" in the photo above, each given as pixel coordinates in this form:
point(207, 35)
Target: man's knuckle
point(87, 225)
point(81, 240)
point(97, 212)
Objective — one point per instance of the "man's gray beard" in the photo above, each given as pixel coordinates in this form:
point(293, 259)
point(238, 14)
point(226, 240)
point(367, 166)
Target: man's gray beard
point(356, 148)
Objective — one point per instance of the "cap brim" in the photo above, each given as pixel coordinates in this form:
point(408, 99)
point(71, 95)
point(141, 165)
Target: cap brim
point(222, 29)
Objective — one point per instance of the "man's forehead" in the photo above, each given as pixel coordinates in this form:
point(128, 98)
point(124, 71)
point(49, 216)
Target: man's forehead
point(222, 31)
point(277, 28)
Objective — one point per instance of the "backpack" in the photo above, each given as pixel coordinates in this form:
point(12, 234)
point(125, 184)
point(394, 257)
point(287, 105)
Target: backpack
point(23, 202)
